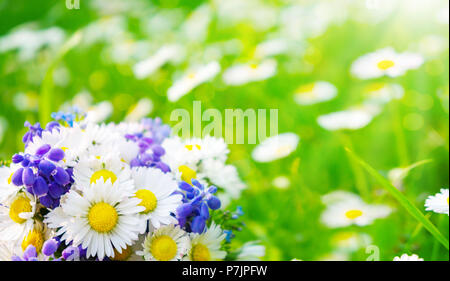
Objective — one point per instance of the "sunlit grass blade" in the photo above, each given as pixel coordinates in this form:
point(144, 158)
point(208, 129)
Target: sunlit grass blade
point(408, 205)
point(46, 94)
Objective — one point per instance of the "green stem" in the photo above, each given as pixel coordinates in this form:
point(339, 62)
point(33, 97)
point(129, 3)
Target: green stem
point(400, 139)
point(403, 200)
point(360, 179)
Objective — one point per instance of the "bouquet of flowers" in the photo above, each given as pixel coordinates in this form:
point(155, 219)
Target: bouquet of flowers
point(127, 191)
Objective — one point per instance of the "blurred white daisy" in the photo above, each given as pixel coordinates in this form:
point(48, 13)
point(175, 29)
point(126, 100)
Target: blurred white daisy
point(168, 243)
point(385, 62)
point(350, 241)
point(192, 79)
point(96, 168)
point(275, 147)
point(438, 203)
point(270, 48)
point(352, 119)
point(164, 55)
point(16, 217)
point(315, 92)
point(382, 93)
point(140, 110)
point(405, 257)
point(154, 188)
point(352, 211)
point(28, 40)
point(251, 251)
point(206, 246)
point(281, 182)
point(101, 219)
point(244, 73)
point(95, 113)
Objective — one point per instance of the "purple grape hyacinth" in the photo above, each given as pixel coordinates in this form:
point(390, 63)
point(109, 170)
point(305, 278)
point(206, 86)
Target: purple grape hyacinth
point(149, 143)
point(197, 201)
point(42, 176)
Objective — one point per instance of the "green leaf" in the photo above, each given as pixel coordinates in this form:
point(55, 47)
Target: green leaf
point(408, 205)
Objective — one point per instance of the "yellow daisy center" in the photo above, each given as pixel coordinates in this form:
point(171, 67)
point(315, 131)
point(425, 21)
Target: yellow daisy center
point(20, 205)
point(125, 255)
point(190, 146)
point(105, 174)
point(10, 178)
point(148, 200)
point(35, 238)
point(191, 76)
point(253, 66)
point(385, 64)
point(200, 253)
point(163, 248)
point(187, 174)
point(353, 214)
point(103, 217)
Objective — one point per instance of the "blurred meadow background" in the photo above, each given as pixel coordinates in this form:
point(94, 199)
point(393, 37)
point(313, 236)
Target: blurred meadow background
point(52, 56)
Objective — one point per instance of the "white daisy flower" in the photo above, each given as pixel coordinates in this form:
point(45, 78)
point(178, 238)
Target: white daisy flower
point(16, 217)
point(275, 147)
point(99, 134)
point(251, 251)
point(222, 175)
point(352, 211)
point(168, 243)
point(206, 246)
point(70, 140)
point(405, 257)
point(101, 219)
point(101, 166)
point(385, 62)
point(316, 92)
point(8, 190)
point(190, 151)
point(191, 80)
point(241, 74)
point(130, 252)
point(164, 55)
point(438, 203)
point(36, 237)
point(351, 119)
point(7, 250)
point(154, 188)
point(382, 93)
